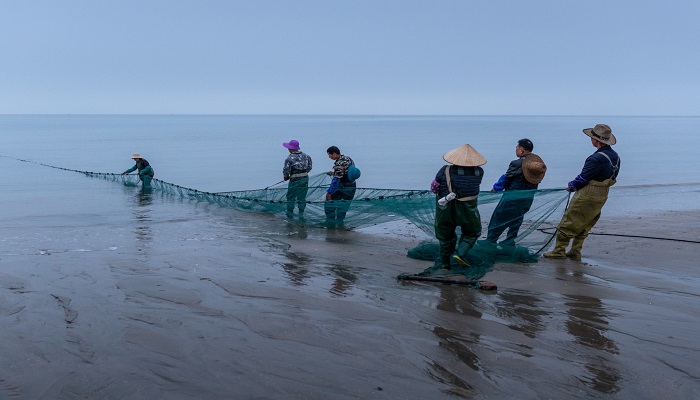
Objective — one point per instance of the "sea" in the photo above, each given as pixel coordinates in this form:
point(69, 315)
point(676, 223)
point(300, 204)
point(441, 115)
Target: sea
point(218, 153)
point(66, 237)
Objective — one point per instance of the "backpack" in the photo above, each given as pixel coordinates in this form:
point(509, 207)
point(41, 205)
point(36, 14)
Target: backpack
point(353, 173)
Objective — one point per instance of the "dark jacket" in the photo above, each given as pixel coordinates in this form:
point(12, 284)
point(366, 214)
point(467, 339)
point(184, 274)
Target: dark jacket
point(598, 168)
point(514, 179)
point(143, 166)
point(465, 181)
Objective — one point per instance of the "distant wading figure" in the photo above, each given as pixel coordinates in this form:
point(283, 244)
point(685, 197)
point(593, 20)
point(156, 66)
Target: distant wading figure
point(591, 186)
point(296, 171)
point(519, 182)
point(341, 191)
point(144, 170)
point(457, 189)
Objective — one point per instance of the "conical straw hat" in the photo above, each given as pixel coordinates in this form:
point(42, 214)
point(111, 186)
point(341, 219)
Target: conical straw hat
point(465, 156)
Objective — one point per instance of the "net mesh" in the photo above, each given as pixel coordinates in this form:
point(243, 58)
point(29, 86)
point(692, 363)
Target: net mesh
point(372, 206)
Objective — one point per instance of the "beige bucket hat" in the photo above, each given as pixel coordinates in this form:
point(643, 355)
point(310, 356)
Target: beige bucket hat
point(136, 156)
point(465, 156)
point(602, 133)
point(534, 168)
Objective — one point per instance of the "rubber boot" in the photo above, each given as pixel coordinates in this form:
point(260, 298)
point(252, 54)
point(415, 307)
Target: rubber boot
point(576, 246)
point(443, 263)
point(461, 254)
point(559, 250)
point(446, 250)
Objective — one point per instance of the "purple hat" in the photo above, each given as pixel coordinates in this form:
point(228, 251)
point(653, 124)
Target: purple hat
point(291, 145)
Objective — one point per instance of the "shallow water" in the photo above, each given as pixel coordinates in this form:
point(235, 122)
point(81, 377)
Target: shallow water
point(109, 292)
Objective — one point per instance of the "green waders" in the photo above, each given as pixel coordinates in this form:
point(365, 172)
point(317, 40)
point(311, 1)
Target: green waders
point(296, 193)
point(464, 214)
point(145, 181)
point(579, 218)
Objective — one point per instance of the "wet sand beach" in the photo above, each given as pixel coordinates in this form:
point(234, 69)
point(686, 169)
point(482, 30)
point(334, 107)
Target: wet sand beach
point(225, 304)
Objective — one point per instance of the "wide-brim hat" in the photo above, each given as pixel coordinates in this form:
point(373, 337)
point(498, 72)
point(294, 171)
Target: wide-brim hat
point(534, 168)
point(136, 156)
point(601, 133)
point(465, 156)
point(291, 145)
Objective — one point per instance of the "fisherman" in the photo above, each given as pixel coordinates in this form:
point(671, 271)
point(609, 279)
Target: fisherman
point(591, 189)
point(519, 182)
point(457, 189)
point(145, 171)
point(296, 171)
point(341, 190)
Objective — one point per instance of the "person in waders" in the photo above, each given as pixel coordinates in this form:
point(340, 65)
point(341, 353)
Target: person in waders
point(457, 189)
point(296, 171)
point(341, 190)
point(520, 183)
point(591, 189)
point(145, 170)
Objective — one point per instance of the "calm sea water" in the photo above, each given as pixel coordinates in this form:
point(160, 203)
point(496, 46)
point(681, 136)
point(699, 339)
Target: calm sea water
point(225, 153)
point(220, 153)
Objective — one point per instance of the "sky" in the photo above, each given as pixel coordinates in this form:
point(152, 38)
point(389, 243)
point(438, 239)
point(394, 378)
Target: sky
point(400, 57)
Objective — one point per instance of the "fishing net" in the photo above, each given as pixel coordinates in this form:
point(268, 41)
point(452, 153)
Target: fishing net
point(526, 209)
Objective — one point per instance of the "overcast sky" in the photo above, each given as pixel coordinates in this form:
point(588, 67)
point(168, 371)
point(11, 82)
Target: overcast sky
point(470, 57)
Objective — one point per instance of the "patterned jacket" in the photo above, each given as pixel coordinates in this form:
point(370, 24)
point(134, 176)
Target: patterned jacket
point(340, 174)
point(340, 168)
point(296, 163)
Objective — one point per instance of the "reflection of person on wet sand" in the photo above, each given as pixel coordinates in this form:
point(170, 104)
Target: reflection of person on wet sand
point(458, 338)
point(296, 274)
point(141, 215)
point(523, 311)
point(454, 298)
point(344, 281)
point(587, 322)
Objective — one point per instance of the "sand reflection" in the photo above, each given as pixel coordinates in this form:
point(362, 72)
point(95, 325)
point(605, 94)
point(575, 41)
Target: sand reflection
point(524, 310)
point(343, 282)
point(461, 342)
point(588, 323)
point(142, 216)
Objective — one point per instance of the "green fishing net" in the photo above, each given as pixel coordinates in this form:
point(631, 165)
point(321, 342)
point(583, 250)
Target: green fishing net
point(373, 206)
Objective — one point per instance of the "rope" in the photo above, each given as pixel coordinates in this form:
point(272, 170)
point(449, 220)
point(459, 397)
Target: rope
point(633, 236)
point(568, 199)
